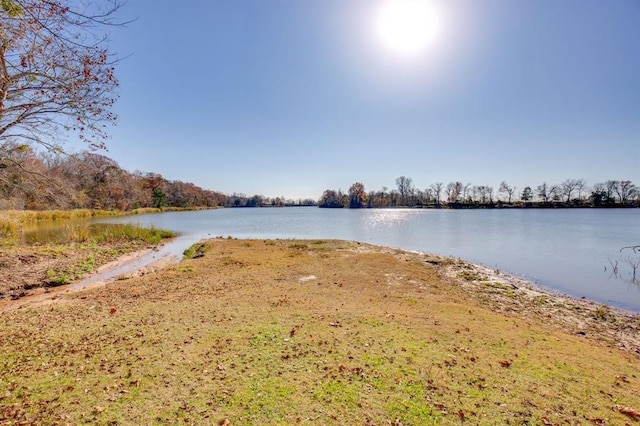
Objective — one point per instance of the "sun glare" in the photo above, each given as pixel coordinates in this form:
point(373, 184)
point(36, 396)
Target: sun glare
point(406, 28)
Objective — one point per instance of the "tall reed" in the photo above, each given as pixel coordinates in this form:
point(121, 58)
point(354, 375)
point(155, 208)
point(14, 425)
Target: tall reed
point(13, 222)
point(9, 229)
point(103, 232)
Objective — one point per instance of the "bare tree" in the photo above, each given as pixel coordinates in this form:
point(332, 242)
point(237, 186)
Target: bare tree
point(567, 187)
point(428, 195)
point(437, 191)
point(612, 188)
point(56, 74)
point(508, 190)
point(483, 194)
point(580, 186)
point(466, 192)
point(405, 189)
point(625, 191)
point(543, 192)
point(453, 191)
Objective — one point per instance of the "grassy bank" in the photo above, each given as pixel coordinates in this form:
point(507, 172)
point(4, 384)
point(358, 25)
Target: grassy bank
point(81, 249)
point(315, 332)
point(13, 222)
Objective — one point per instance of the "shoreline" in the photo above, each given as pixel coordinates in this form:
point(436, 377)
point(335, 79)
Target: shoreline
point(511, 295)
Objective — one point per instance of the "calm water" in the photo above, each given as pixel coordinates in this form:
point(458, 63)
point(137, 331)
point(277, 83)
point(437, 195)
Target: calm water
point(564, 250)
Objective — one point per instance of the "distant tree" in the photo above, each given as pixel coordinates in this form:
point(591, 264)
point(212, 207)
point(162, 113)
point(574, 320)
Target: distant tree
point(56, 74)
point(548, 193)
point(625, 191)
point(357, 196)
point(507, 190)
point(543, 192)
point(255, 201)
point(105, 185)
point(453, 191)
point(157, 185)
point(307, 202)
point(332, 199)
point(448, 191)
point(567, 188)
point(22, 190)
point(379, 198)
point(405, 189)
point(428, 196)
point(581, 185)
point(437, 191)
point(483, 194)
point(466, 192)
point(600, 196)
point(527, 194)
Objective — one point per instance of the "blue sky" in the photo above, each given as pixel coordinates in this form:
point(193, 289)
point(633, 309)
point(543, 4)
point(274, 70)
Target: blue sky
point(292, 97)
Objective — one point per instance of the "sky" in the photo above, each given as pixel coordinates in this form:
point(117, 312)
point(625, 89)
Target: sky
point(292, 97)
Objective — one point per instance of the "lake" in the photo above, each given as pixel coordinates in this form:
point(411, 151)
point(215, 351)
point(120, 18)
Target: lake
point(572, 251)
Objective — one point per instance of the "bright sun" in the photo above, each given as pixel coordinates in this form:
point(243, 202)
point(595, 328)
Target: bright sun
point(407, 28)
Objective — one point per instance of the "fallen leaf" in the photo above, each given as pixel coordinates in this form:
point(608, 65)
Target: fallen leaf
point(634, 414)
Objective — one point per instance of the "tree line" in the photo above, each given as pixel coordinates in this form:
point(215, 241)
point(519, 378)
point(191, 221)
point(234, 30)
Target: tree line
point(569, 193)
point(32, 180)
point(41, 180)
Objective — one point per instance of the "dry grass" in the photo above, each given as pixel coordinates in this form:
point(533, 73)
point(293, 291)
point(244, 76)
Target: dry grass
point(12, 222)
point(308, 332)
point(85, 247)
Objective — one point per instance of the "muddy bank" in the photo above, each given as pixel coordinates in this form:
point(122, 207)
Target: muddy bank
point(28, 270)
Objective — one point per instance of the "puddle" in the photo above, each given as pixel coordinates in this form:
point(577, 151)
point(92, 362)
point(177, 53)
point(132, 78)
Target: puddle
point(171, 252)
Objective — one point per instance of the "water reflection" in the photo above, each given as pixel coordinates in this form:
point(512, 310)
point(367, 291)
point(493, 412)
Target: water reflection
point(64, 232)
point(625, 267)
point(56, 232)
point(387, 217)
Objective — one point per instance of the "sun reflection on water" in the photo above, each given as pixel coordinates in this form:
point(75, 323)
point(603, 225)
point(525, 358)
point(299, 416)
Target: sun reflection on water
point(386, 217)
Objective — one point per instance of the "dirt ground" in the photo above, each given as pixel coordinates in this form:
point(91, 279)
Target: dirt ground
point(316, 332)
point(25, 270)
